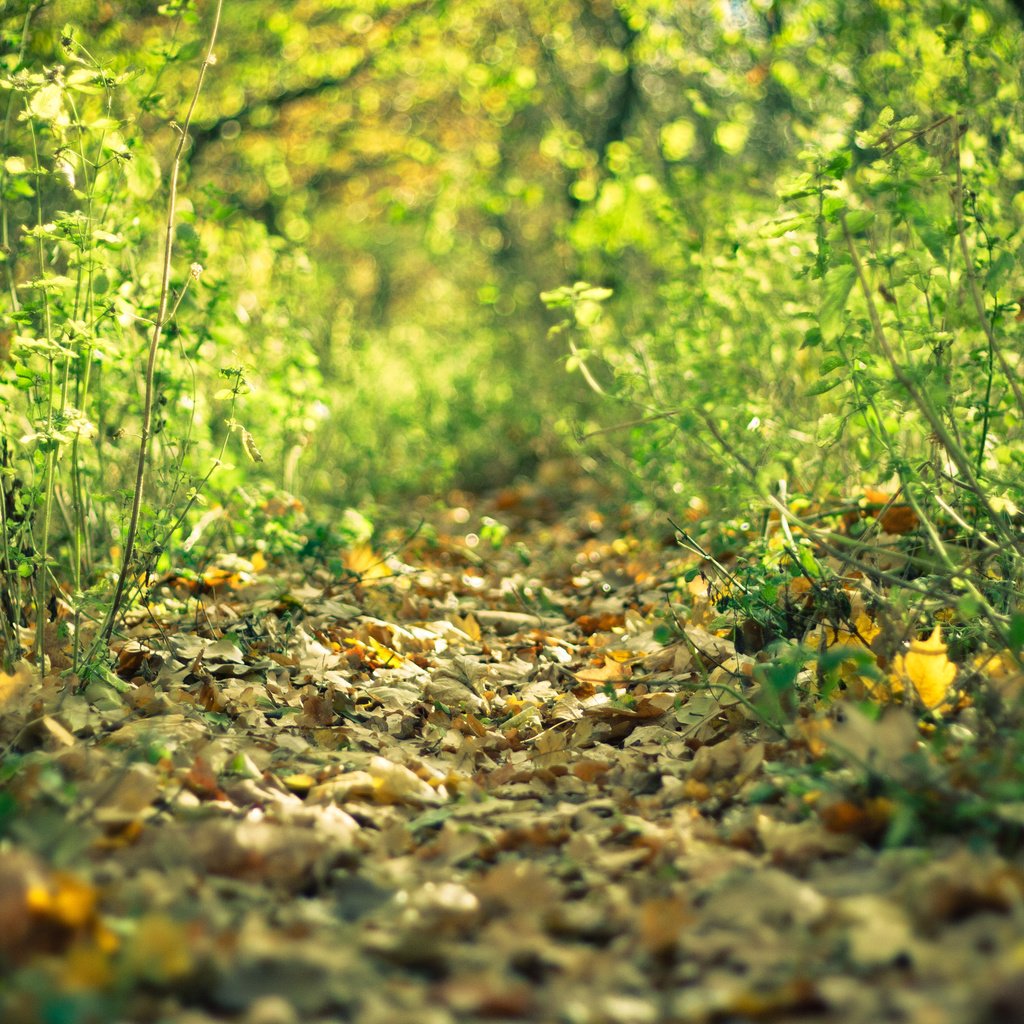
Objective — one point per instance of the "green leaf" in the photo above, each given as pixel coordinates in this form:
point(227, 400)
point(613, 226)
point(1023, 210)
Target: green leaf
point(588, 313)
point(832, 207)
point(831, 363)
point(48, 103)
point(858, 220)
point(783, 225)
point(809, 562)
point(837, 285)
point(799, 193)
point(838, 165)
point(822, 386)
point(86, 80)
point(663, 634)
point(557, 298)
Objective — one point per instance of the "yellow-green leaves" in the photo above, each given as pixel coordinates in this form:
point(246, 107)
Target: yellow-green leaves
point(47, 103)
point(836, 289)
point(677, 139)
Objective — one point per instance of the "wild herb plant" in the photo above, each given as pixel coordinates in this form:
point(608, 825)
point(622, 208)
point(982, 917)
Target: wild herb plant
point(88, 290)
point(916, 327)
point(846, 316)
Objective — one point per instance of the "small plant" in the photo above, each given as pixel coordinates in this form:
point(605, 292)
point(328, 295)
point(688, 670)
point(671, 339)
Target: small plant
point(865, 332)
point(77, 190)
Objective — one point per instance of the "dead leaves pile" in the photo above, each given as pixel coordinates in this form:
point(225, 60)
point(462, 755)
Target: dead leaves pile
point(466, 791)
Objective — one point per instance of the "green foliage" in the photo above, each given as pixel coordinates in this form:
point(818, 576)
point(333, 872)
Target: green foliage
point(802, 258)
point(83, 198)
point(833, 245)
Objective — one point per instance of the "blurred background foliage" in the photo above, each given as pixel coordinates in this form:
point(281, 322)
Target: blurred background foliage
point(379, 192)
point(776, 244)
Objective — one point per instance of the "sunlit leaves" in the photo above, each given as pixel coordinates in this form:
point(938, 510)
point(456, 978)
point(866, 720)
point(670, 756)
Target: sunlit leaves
point(142, 173)
point(579, 292)
point(48, 103)
point(677, 139)
point(731, 136)
point(836, 290)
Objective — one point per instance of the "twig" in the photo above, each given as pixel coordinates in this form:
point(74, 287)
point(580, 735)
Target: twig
point(972, 278)
point(939, 429)
point(630, 423)
point(154, 345)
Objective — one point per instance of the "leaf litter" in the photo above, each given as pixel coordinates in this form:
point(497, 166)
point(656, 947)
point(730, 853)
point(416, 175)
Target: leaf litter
point(456, 787)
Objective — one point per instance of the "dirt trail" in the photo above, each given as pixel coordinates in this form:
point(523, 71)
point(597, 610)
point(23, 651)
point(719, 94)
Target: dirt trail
point(468, 782)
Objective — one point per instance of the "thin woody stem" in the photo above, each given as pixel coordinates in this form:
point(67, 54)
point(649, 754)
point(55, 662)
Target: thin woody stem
point(154, 344)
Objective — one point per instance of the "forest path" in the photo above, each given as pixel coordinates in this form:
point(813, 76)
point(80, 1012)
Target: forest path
point(471, 781)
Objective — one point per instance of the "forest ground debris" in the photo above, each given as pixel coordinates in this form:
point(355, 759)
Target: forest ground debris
point(603, 786)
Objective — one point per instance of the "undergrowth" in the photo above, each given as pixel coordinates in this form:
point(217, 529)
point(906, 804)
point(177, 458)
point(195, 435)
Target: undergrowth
point(127, 356)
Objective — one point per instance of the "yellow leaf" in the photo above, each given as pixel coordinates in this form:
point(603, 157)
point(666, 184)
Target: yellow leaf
point(867, 628)
point(862, 633)
point(13, 687)
point(300, 783)
point(63, 899)
point(396, 784)
point(927, 670)
point(365, 563)
point(468, 625)
point(621, 655)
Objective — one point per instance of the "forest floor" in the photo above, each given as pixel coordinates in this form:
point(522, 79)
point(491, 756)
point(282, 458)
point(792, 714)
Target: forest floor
point(477, 780)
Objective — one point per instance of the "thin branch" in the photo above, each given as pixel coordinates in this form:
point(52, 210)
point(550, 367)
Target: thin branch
point(630, 423)
point(972, 278)
point(154, 345)
point(939, 428)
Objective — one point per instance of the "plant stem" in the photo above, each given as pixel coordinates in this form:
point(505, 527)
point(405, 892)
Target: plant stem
point(50, 465)
point(154, 345)
point(955, 451)
point(994, 348)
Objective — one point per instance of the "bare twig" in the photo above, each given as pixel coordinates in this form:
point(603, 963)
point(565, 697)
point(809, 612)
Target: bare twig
point(1009, 371)
point(154, 344)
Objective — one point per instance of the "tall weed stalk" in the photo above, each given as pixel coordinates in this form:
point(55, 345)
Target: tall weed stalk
point(77, 185)
point(158, 328)
point(845, 317)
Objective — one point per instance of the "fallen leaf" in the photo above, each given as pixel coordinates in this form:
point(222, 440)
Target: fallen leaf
point(160, 949)
point(396, 784)
point(926, 670)
point(65, 899)
point(13, 687)
point(202, 781)
point(300, 783)
point(897, 517)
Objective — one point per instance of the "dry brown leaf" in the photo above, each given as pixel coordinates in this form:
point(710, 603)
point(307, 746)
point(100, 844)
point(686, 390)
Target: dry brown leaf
point(14, 687)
